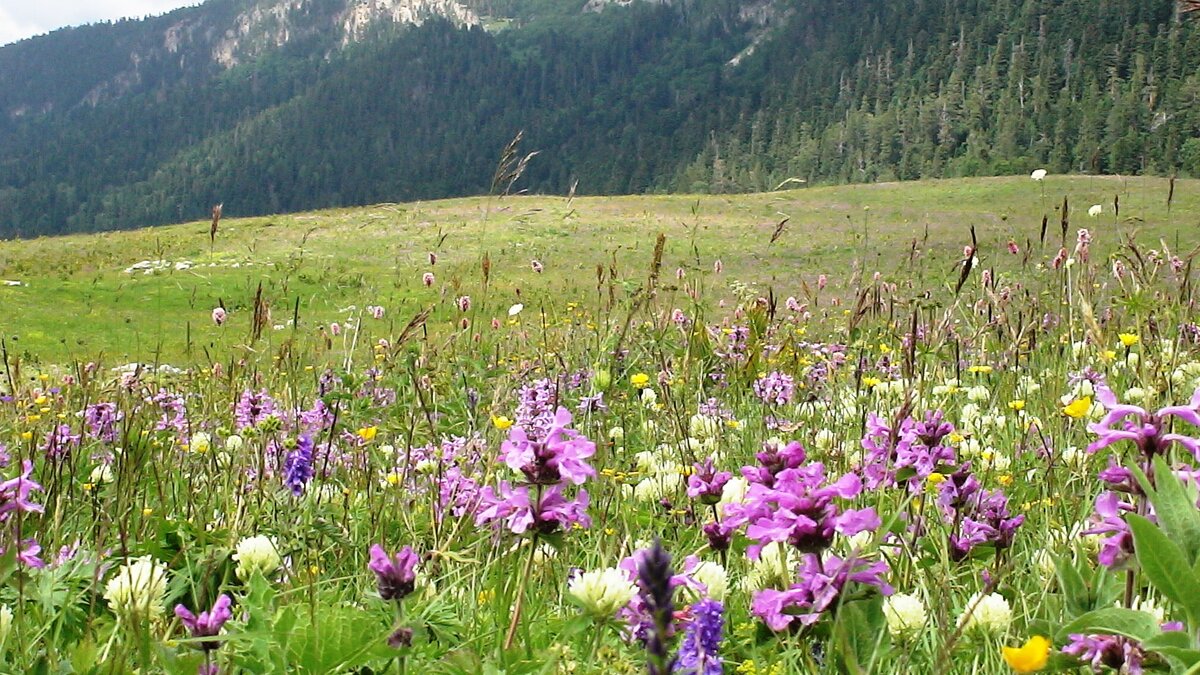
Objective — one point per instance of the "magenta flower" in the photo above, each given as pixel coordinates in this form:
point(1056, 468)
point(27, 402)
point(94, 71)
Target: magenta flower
point(562, 456)
point(253, 407)
point(396, 575)
point(209, 623)
point(1143, 427)
point(14, 493)
point(1117, 546)
point(800, 510)
point(775, 388)
point(514, 508)
point(821, 583)
point(706, 483)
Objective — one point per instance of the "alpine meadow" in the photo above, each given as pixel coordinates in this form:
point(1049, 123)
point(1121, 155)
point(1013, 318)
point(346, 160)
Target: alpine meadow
point(759, 337)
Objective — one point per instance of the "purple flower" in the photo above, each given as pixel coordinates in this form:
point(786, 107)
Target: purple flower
point(298, 465)
point(562, 455)
point(775, 388)
point(1103, 652)
point(14, 493)
point(1142, 427)
point(592, 404)
point(59, 441)
point(396, 575)
point(655, 589)
point(821, 583)
point(699, 653)
point(209, 623)
point(253, 407)
point(173, 409)
point(1117, 547)
point(706, 483)
point(513, 507)
point(101, 420)
point(800, 510)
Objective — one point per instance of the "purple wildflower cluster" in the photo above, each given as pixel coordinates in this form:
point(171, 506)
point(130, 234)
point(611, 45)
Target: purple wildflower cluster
point(909, 449)
point(1147, 430)
point(173, 412)
point(101, 420)
point(252, 408)
point(793, 502)
point(775, 388)
point(822, 585)
point(700, 652)
point(1116, 652)
point(975, 516)
point(298, 465)
point(537, 402)
point(548, 462)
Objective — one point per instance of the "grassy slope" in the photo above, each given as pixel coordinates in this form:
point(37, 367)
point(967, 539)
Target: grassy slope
point(78, 302)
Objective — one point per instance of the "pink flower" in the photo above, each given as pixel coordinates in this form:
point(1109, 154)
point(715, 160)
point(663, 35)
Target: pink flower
point(375, 311)
point(822, 281)
point(464, 303)
point(537, 266)
point(335, 328)
point(718, 266)
point(219, 316)
point(427, 279)
point(1013, 248)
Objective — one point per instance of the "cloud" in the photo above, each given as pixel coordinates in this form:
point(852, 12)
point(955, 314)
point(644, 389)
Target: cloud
point(21, 18)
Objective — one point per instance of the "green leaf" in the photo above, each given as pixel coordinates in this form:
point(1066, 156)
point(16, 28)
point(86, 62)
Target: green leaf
point(1174, 506)
point(1113, 621)
point(1165, 565)
point(1177, 639)
point(1074, 588)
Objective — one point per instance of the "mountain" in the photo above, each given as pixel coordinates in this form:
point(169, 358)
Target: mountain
point(283, 105)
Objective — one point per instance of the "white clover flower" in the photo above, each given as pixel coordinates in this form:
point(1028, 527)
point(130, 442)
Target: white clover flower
point(256, 554)
point(602, 592)
point(649, 397)
point(825, 439)
point(138, 589)
point(616, 434)
point(991, 615)
point(515, 309)
point(657, 487)
point(734, 492)
point(201, 443)
point(233, 443)
point(1150, 607)
point(1038, 175)
point(102, 474)
point(775, 568)
point(1095, 210)
point(905, 615)
point(978, 393)
point(714, 577)
point(704, 426)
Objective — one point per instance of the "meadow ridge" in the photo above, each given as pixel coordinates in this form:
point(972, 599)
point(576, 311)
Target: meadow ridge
point(810, 431)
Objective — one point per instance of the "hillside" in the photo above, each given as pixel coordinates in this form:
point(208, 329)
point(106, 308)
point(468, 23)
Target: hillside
point(279, 106)
point(147, 294)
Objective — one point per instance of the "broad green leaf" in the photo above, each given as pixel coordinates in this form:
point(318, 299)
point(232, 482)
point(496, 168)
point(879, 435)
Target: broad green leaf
point(1113, 621)
point(1177, 639)
point(1074, 588)
point(1174, 507)
point(1165, 565)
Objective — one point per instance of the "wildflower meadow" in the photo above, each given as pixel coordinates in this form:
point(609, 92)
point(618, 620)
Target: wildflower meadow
point(972, 451)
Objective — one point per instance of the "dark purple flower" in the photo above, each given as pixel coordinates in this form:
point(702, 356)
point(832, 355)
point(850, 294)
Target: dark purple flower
point(209, 623)
point(655, 590)
point(298, 465)
point(397, 575)
point(101, 420)
point(700, 652)
point(706, 483)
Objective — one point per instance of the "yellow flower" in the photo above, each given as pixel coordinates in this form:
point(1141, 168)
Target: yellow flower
point(870, 382)
point(368, 433)
point(501, 422)
point(1078, 408)
point(1129, 339)
point(1018, 404)
point(26, 435)
point(1108, 355)
point(980, 370)
point(935, 478)
point(1029, 657)
point(640, 380)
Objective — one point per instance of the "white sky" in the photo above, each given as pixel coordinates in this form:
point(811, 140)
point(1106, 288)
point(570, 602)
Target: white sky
point(26, 18)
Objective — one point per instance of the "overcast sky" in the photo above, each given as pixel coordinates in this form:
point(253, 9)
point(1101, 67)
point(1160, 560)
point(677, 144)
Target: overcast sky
point(26, 18)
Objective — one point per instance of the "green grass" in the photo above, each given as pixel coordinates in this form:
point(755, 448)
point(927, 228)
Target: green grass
point(78, 302)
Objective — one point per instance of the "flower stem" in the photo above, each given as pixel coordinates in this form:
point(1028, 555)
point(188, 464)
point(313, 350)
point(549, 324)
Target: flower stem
point(516, 615)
